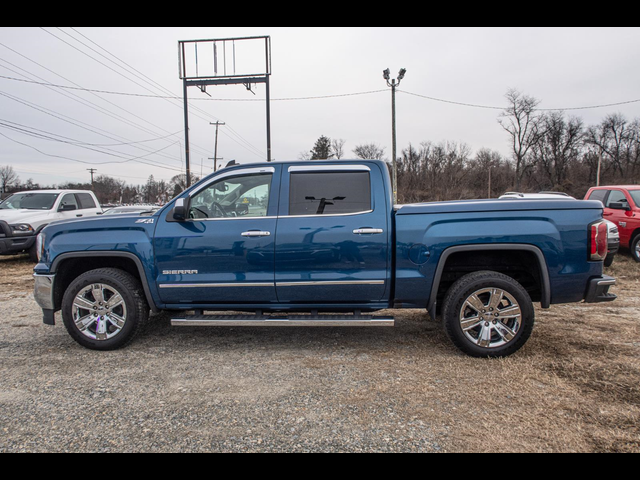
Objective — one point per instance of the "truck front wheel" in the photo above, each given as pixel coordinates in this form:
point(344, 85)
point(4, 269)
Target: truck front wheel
point(488, 314)
point(104, 309)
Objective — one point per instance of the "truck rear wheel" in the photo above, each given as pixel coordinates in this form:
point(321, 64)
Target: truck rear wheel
point(104, 309)
point(488, 314)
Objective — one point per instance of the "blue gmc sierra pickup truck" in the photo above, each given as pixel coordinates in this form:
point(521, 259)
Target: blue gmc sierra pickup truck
point(322, 244)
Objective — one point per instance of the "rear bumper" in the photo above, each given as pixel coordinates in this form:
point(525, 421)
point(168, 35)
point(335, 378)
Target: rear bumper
point(598, 290)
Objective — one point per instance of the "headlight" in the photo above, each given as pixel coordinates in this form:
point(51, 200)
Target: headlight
point(22, 229)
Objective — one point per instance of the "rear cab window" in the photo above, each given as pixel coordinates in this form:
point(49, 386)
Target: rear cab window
point(85, 201)
point(329, 193)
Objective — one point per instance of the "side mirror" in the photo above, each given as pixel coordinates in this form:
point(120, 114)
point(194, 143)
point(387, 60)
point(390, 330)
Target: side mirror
point(180, 210)
point(67, 208)
point(619, 206)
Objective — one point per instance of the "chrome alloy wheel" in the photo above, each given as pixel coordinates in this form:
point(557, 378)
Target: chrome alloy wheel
point(99, 312)
point(490, 317)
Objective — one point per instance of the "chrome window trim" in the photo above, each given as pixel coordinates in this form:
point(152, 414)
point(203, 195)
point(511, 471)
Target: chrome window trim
point(228, 218)
point(327, 215)
point(277, 217)
point(329, 168)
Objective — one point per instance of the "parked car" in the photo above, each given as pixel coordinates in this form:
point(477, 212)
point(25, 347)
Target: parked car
point(621, 206)
point(325, 248)
point(23, 215)
point(614, 236)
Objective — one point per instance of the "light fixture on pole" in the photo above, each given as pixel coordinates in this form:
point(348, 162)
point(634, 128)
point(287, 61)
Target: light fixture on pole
point(393, 83)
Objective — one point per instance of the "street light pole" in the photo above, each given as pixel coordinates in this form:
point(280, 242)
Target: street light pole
point(393, 83)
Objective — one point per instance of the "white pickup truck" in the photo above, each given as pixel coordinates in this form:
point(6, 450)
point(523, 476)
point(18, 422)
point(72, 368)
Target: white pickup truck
point(24, 214)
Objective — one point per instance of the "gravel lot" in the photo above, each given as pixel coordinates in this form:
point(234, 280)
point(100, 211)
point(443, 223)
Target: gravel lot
point(574, 387)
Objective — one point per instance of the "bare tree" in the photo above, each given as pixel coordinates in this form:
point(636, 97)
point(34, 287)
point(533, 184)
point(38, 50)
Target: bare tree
point(521, 120)
point(8, 178)
point(337, 147)
point(559, 145)
point(369, 151)
point(178, 184)
point(617, 140)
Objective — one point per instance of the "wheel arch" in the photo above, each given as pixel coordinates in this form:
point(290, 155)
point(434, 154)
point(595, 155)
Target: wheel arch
point(68, 266)
point(544, 283)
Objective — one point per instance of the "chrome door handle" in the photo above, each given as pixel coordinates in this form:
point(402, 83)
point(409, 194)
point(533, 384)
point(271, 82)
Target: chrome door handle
point(368, 231)
point(256, 233)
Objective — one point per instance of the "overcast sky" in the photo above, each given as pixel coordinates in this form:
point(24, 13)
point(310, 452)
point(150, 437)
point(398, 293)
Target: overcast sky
point(47, 132)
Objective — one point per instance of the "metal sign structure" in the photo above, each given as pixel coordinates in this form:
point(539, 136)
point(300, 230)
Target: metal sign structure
point(224, 61)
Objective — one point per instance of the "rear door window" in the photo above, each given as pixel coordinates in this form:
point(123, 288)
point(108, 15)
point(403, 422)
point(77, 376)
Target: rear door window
point(599, 195)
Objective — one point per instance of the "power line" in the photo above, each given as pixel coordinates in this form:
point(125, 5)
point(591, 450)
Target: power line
point(247, 145)
point(317, 97)
point(502, 108)
point(60, 117)
point(84, 102)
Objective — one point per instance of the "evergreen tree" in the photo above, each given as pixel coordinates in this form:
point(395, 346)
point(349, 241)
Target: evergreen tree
point(322, 149)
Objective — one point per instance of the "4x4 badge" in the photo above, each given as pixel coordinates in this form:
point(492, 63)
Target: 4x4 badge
point(146, 220)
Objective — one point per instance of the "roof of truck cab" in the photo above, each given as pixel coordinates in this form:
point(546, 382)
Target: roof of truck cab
point(609, 187)
point(52, 191)
point(349, 161)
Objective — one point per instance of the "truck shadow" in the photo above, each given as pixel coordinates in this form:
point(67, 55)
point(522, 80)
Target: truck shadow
point(413, 330)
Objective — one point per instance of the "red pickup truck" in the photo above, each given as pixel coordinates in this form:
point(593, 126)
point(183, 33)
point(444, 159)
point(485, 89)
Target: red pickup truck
point(622, 207)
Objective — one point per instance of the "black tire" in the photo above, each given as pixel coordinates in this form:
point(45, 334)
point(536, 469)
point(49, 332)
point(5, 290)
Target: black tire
point(609, 260)
point(33, 254)
point(497, 334)
point(634, 247)
point(102, 332)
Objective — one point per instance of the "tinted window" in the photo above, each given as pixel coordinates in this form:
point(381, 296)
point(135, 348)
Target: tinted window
point(598, 195)
point(244, 196)
point(616, 196)
point(321, 193)
point(68, 199)
point(85, 200)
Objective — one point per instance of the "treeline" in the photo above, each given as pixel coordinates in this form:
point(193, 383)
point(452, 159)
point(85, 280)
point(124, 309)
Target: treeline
point(564, 156)
point(549, 151)
point(108, 190)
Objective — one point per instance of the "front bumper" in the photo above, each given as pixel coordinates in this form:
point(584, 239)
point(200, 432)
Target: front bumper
point(10, 244)
point(598, 290)
point(43, 294)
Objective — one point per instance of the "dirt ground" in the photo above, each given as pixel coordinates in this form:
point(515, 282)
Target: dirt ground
point(573, 388)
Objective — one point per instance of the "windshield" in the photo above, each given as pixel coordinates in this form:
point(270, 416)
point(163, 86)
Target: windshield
point(29, 201)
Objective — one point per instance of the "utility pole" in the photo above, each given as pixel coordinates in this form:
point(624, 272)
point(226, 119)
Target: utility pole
point(393, 83)
point(92, 170)
point(186, 134)
point(215, 151)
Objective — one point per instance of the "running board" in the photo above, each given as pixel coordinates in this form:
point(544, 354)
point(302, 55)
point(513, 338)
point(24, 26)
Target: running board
point(282, 321)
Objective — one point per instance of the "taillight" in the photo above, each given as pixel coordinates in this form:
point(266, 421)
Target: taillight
point(598, 242)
